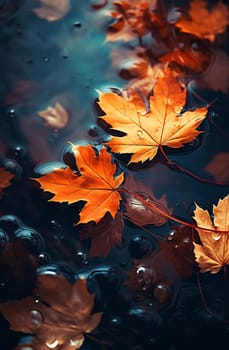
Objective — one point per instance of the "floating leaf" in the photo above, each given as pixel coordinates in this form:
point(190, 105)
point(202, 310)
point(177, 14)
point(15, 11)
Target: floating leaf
point(213, 254)
point(95, 185)
point(163, 125)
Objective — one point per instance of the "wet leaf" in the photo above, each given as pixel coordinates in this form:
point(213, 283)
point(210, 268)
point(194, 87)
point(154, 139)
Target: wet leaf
point(52, 10)
point(213, 254)
point(204, 23)
point(106, 235)
point(61, 317)
point(95, 185)
point(163, 125)
point(137, 212)
point(55, 117)
point(5, 179)
point(219, 167)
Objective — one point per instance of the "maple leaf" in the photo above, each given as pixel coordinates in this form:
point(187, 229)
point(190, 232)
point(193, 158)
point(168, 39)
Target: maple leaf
point(162, 125)
point(133, 18)
point(55, 117)
point(147, 76)
point(214, 251)
point(52, 10)
point(205, 23)
point(219, 167)
point(5, 179)
point(62, 316)
point(95, 185)
point(105, 235)
point(137, 211)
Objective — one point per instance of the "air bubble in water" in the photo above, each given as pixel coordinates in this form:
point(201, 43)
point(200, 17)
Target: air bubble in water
point(36, 318)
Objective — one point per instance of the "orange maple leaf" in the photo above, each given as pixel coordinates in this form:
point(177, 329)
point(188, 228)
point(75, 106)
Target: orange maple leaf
point(205, 23)
point(162, 125)
point(95, 185)
point(5, 179)
point(60, 320)
point(214, 251)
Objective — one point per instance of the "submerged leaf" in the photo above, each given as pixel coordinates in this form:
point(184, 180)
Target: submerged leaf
point(55, 117)
point(62, 316)
point(213, 254)
point(52, 10)
point(205, 23)
point(5, 179)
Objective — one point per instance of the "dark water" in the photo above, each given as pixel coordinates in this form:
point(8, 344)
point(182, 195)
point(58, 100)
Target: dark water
point(67, 60)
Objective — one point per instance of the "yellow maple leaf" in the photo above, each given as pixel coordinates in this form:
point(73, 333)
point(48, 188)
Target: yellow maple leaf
point(214, 251)
point(205, 23)
point(163, 125)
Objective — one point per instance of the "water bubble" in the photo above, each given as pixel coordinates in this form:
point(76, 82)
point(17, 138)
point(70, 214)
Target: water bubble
point(10, 223)
point(162, 292)
point(145, 277)
point(77, 24)
point(32, 238)
point(52, 343)
point(12, 166)
point(140, 246)
point(76, 343)
point(44, 258)
point(81, 258)
point(18, 151)
point(36, 318)
point(93, 131)
point(216, 236)
point(11, 113)
point(140, 134)
point(45, 59)
point(4, 240)
point(171, 235)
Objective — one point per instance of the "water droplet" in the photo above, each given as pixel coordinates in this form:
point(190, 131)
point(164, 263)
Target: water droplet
point(216, 236)
point(145, 277)
point(11, 113)
point(36, 318)
point(140, 246)
point(44, 258)
point(52, 343)
point(82, 258)
point(32, 238)
point(9, 223)
point(162, 292)
point(76, 343)
point(45, 59)
point(36, 299)
point(140, 134)
point(171, 235)
point(77, 24)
